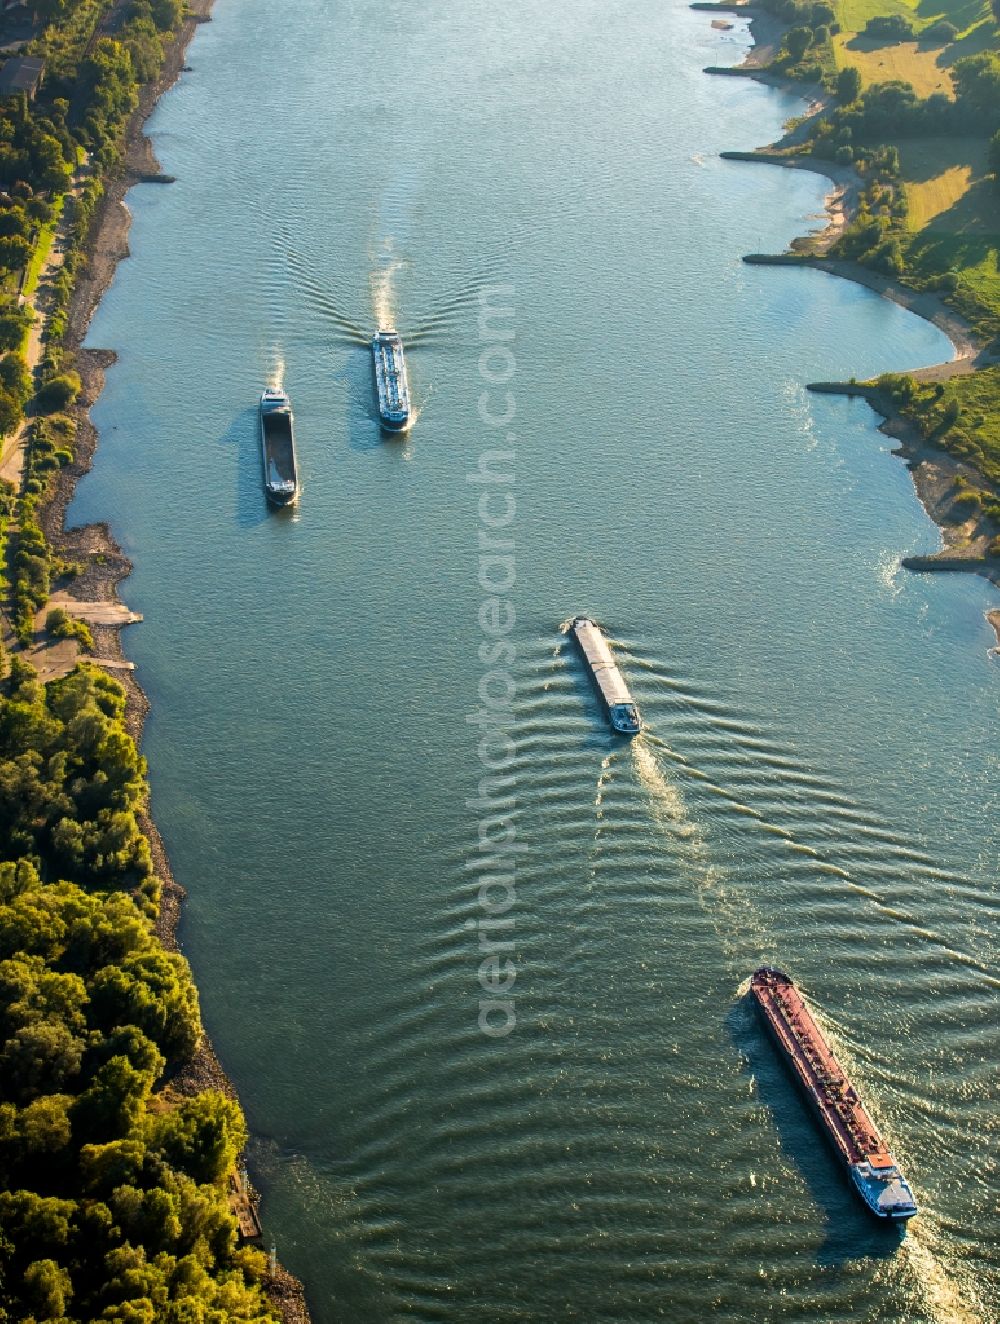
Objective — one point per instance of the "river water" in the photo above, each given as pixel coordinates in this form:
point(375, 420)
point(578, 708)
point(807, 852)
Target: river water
point(817, 782)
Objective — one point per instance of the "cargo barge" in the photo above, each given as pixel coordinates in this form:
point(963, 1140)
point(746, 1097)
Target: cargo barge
point(844, 1118)
point(390, 380)
point(621, 709)
point(277, 448)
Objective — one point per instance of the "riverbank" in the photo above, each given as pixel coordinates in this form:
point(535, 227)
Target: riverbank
point(937, 475)
point(103, 565)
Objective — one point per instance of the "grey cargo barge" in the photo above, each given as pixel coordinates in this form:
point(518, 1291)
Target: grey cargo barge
point(622, 711)
point(277, 448)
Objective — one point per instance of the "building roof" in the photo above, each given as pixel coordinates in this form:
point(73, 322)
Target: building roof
point(21, 74)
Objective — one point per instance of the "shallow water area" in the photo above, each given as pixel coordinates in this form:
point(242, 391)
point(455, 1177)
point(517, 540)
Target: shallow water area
point(816, 784)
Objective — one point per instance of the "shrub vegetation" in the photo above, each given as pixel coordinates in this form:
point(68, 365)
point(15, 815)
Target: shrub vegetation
point(112, 1187)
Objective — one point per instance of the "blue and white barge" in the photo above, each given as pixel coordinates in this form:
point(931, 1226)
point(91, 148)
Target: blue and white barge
point(390, 380)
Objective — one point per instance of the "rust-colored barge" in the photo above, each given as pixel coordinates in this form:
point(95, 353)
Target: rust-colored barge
point(844, 1118)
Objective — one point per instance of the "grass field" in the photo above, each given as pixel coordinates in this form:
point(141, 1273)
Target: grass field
point(854, 14)
point(954, 216)
point(907, 61)
point(979, 275)
point(924, 66)
point(975, 260)
point(947, 187)
point(937, 197)
point(43, 243)
point(965, 14)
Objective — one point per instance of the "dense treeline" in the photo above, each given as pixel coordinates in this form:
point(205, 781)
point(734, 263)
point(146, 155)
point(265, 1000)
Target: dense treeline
point(805, 52)
point(91, 88)
point(891, 110)
point(802, 13)
point(33, 564)
point(112, 1190)
point(71, 781)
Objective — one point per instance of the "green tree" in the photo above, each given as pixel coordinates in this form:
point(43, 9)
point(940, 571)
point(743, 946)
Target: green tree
point(14, 323)
point(848, 85)
point(154, 991)
point(49, 169)
point(114, 1103)
point(47, 1289)
point(167, 14)
point(91, 1007)
point(48, 11)
point(940, 33)
point(42, 1025)
point(899, 386)
point(42, 1056)
point(114, 1163)
point(14, 252)
point(59, 391)
point(145, 47)
point(44, 1126)
point(14, 221)
point(10, 414)
point(977, 85)
point(202, 1136)
point(891, 27)
point(37, 1225)
point(797, 42)
point(15, 377)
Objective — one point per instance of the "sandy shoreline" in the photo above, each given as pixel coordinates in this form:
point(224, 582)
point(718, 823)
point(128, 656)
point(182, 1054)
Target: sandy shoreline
point(104, 565)
point(935, 473)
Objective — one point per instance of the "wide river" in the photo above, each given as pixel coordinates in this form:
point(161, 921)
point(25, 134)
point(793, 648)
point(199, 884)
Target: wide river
point(817, 784)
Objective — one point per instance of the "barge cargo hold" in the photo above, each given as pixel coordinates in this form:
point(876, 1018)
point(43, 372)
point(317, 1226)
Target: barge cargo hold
point(277, 448)
point(390, 380)
point(844, 1118)
point(621, 709)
